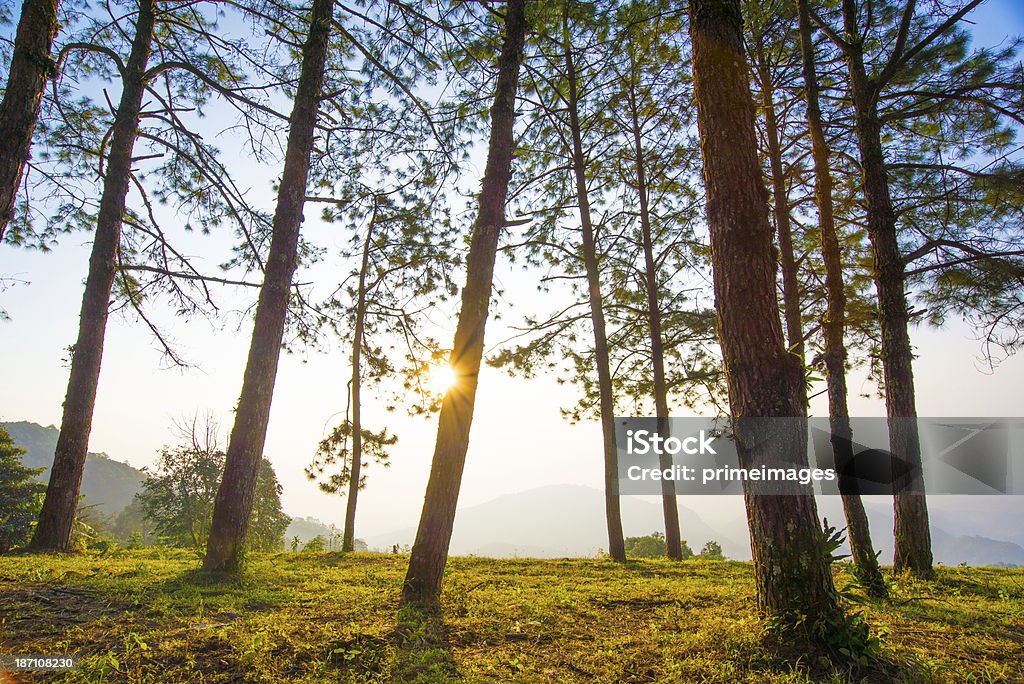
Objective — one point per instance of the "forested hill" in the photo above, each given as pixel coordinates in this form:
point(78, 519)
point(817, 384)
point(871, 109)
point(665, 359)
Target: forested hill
point(111, 485)
point(108, 484)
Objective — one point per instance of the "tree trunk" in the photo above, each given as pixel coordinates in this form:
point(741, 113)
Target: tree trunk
point(602, 357)
point(673, 538)
point(791, 572)
point(912, 534)
point(858, 531)
point(233, 506)
point(53, 533)
point(31, 65)
point(430, 550)
point(349, 537)
point(787, 258)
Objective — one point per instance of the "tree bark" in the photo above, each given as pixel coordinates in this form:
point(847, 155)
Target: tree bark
point(348, 538)
point(57, 516)
point(233, 506)
point(430, 550)
point(31, 66)
point(857, 527)
point(912, 534)
point(673, 537)
point(602, 356)
point(791, 572)
point(783, 227)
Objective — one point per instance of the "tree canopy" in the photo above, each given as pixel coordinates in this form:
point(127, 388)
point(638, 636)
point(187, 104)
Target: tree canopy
point(178, 499)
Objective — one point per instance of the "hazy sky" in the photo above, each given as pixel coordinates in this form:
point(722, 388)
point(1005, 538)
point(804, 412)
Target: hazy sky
point(519, 439)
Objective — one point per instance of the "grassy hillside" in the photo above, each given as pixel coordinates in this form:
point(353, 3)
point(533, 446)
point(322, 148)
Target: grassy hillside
point(145, 616)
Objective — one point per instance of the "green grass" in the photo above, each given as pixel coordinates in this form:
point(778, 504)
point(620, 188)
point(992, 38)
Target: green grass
point(148, 616)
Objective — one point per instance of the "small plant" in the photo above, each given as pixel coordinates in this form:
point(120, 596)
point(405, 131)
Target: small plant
point(843, 632)
point(82, 535)
point(847, 633)
point(103, 545)
point(135, 541)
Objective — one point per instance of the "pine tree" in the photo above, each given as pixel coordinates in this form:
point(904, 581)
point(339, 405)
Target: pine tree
point(31, 67)
point(834, 323)
point(20, 495)
point(166, 74)
point(233, 507)
point(909, 68)
point(591, 266)
point(791, 570)
point(53, 533)
point(433, 536)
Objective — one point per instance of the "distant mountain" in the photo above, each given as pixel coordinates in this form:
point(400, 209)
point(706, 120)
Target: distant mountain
point(1000, 516)
point(965, 529)
point(108, 484)
point(307, 528)
point(976, 550)
point(568, 520)
point(556, 521)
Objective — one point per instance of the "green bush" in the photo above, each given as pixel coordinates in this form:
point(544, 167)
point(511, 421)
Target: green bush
point(315, 545)
point(712, 551)
point(653, 546)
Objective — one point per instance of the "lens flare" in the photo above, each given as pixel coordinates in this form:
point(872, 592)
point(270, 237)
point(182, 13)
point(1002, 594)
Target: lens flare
point(443, 378)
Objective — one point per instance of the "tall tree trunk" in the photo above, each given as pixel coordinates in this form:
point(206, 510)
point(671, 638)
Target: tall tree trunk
point(673, 538)
point(791, 573)
point(31, 65)
point(53, 533)
point(783, 225)
point(430, 550)
point(857, 527)
point(602, 357)
point(349, 537)
point(912, 534)
point(233, 506)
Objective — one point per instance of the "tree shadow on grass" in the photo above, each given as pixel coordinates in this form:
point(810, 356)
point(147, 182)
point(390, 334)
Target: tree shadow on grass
point(234, 594)
point(206, 581)
point(423, 654)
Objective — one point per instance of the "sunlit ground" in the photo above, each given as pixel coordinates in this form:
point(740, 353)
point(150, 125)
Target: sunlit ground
point(145, 616)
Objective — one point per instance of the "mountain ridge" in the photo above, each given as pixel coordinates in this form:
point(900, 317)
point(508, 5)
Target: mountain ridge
point(568, 519)
point(515, 525)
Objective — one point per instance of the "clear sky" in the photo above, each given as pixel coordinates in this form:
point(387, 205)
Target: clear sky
point(519, 439)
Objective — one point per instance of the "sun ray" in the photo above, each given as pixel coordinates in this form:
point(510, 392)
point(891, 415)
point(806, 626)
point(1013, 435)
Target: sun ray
point(442, 378)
